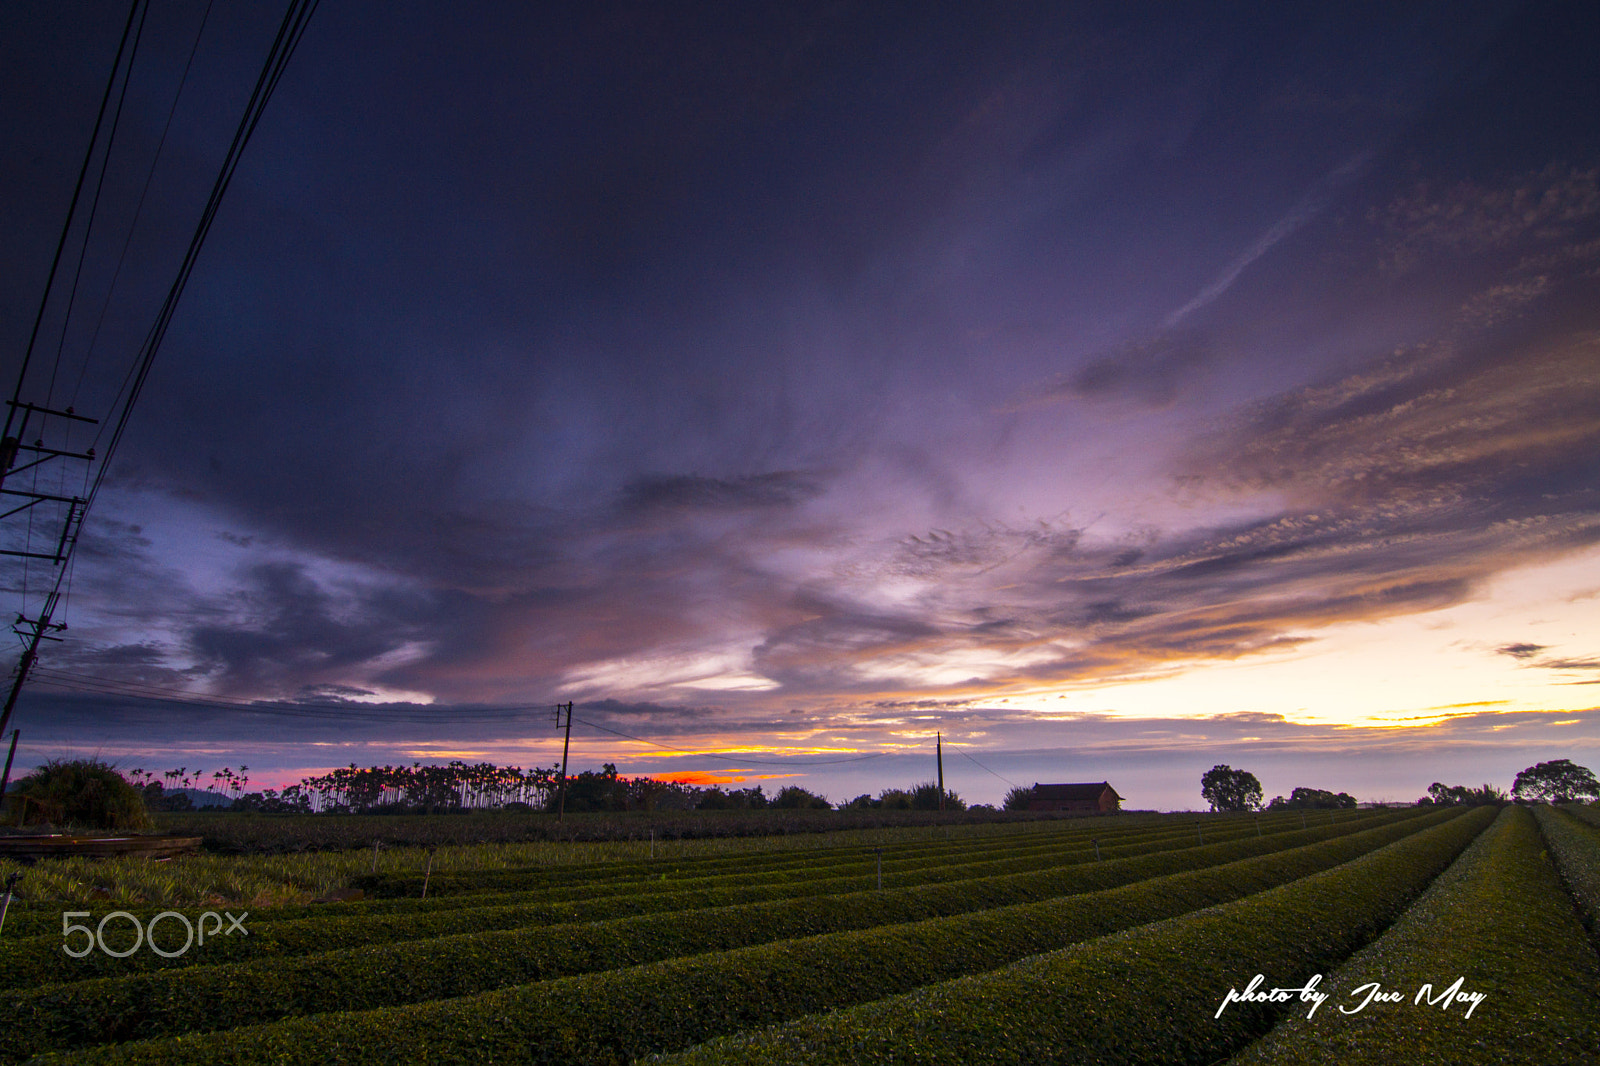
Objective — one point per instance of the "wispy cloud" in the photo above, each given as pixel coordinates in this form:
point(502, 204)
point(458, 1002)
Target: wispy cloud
point(1550, 205)
point(1309, 206)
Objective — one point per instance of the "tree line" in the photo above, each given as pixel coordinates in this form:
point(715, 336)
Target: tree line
point(460, 786)
point(1556, 781)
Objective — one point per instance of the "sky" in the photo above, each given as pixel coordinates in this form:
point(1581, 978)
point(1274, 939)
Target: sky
point(1114, 390)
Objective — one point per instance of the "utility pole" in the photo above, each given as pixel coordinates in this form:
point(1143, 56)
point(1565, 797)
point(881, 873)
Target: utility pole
point(561, 802)
point(12, 446)
point(938, 742)
point(5, 778)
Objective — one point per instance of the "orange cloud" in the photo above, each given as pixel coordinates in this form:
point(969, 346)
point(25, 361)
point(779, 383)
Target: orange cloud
point(708, 778)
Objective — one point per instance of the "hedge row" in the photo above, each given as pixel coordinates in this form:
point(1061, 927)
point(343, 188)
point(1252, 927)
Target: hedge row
point(173, 1002)
point(1499, 921)
point(1584, 812)
point(1575, 847)
point(536, 878)
point(618, 1014)
point(664, 875)
point(244, 833)
point(1146, 995)
point(39, 960)
point(31, 918)
point(25, 963)
point(646, 877)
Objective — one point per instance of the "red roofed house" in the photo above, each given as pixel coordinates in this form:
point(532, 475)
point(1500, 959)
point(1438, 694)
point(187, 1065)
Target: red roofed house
point(1084, 798)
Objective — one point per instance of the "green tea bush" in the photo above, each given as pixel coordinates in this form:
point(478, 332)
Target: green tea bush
point(936, 862)
point(669, 885)
point(1584, 812)
point(1499, 920)
point(1146, 995)
point(1575, 847)
point(40, 959)
point(617, 1014)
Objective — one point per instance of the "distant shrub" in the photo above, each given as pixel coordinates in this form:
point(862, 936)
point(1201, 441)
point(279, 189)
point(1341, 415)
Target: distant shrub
point(925, 797)
point(1441, 795)
point(1017, 799)
point(737, 799)
point(1313, 799)
point(794, 797)
point(80, 792)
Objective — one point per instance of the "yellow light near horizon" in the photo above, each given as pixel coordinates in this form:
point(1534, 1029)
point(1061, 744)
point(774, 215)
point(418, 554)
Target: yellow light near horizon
point(1395, 672)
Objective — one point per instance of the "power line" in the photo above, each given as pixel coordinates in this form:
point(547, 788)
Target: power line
point(290, 33)
point(94, 206)
point(72, 208)
point(984, 768)
point(138, 211)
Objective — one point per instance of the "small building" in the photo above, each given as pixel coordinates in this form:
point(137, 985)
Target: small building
point(1096, 797)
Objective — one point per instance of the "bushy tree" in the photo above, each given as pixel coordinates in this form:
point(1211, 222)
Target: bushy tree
point(80, 792)
point(1557, 781)
point(925, 797)
point(1017, 799)
point(1455, 795)
point(1312, 799)
point(793, 797)
point(893, 799)
point(922, 797)
point(1227, 789)
point(738, 799)
point(603, 791)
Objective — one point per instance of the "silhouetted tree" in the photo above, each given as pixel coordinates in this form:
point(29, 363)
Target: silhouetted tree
point(793, 797)
point(1017, 799)
point(1454, 795)
point(1312, 799)
point(84, 792)
point(1227, 789)
point(1557, 781)
point(925, 797)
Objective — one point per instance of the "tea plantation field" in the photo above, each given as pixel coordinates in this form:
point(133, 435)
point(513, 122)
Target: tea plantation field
point(1115, 940)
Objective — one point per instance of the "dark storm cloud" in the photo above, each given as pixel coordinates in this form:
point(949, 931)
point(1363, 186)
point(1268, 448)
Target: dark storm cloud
point(537, 340)
point(822, 653)
point(694, 493)
point(293, 627)
point(328, 693)
point(1150, 371)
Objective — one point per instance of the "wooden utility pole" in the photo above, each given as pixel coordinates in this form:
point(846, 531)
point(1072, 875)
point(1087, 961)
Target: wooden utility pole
point(561, 801)
point(5, 778)
point(938, 742)
point(12, 445)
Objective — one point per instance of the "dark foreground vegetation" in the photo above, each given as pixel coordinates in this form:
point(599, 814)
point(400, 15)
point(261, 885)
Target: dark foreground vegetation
point(241, 833)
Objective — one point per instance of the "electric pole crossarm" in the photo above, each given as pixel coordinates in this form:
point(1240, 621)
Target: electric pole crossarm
point(37, 496)
point(48, 453)
point(11, 445)
point(30, 408)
